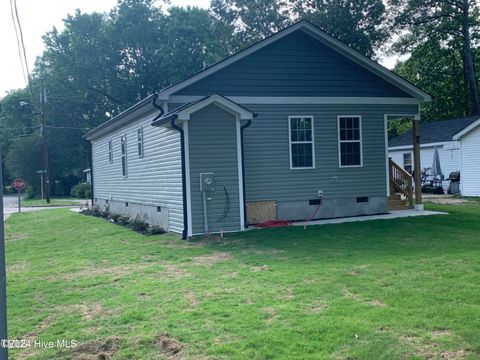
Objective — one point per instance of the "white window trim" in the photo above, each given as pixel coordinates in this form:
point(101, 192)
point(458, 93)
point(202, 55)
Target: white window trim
point(353, 141)
point(303, 142)
point(110, 151)
point(140, 142)
point(124, 136)
point(403, 159)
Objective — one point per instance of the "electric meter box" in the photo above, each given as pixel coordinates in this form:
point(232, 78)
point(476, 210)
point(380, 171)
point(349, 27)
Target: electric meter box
point(207, 182)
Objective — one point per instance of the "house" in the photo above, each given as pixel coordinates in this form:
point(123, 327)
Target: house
point(292, 127)
point(458, 144)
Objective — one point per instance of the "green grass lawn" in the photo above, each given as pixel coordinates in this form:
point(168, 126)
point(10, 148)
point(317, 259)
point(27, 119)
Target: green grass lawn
point(53, 202)
point(386, 289)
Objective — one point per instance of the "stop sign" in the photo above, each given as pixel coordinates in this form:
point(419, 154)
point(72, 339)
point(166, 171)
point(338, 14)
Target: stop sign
point(18, 184)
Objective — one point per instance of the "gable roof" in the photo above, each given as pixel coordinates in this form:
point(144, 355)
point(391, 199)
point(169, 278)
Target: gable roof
point(436, 131)
point(183, 112)
point(319, 35)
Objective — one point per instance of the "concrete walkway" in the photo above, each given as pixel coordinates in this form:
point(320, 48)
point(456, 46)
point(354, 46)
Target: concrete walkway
point(394, 214)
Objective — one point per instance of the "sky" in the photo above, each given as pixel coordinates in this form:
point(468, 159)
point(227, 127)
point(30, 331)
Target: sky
point(39, 16)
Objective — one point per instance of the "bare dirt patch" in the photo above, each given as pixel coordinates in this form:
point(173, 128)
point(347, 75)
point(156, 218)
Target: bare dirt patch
point(95, 271)
point(259, 268)
point(17, 267)
point(17, 236)
point(211, 259)
point(447, 200)
point(271, 314)
point(286, 293)
point(95, 350)
point(90, 311)
point(268, 252)
point(373, 302)
point(169, 346)
point(432, 350)
point(175, 272)
point(436, 334)
point(316, 308)
point(191, 298)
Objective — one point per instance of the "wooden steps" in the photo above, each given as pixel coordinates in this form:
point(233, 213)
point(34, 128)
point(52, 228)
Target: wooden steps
point(396, 202)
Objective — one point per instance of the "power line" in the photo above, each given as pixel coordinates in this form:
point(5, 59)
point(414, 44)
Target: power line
point(21, 38)
point(22, 42)
point(18, 43)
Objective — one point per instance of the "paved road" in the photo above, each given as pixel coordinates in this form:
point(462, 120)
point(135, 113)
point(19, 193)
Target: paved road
point(10, 203)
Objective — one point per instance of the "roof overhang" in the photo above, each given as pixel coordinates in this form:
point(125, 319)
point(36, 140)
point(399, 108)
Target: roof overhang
point(125, 117)
point(321, 36)
point(465, 131)
point(184, 112)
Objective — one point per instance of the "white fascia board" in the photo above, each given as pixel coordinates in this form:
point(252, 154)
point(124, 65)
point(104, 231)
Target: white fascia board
point(408, 147)
point(465, 131)
point(277, 100)
point(323, 37)
point(221, 102)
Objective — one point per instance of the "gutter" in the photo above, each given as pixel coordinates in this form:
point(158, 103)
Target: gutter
point(184, 172)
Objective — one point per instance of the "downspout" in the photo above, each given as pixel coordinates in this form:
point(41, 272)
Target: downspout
point(90, 159)
point(184, 176)
point(242, 128)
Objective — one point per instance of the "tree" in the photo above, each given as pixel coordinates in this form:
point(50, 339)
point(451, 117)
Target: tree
point(250, 21)
point(451, 23)
point(359, 24)
point(438, 70)
point(24, 158)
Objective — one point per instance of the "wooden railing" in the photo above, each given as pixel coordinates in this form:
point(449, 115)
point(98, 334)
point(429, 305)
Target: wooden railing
point(400, 181)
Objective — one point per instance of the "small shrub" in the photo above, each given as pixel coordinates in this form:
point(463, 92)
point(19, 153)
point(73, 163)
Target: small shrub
point(29, 192)
point(138, 223)
point(155, 230)
point(123, 220)
point(9, 190)
point(114, 217)
point(82, 191)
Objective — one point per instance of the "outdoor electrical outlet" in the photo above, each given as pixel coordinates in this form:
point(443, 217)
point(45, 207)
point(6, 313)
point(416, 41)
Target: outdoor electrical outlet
point(320, 193)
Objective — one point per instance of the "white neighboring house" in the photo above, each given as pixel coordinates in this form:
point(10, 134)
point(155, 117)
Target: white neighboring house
point(469, 139)
point(458, 145)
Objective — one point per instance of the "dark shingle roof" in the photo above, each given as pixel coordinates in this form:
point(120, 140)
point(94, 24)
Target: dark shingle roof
point(434, 131)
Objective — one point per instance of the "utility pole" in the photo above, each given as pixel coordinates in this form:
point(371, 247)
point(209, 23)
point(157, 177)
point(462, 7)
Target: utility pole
point(43, 99)
point(3, 274)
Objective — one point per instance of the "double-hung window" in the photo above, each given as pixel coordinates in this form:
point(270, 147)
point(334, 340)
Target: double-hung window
point(140, 142)
point(110, 151)
point(350, 141)
point(302, 149)
point(407, 162)
point(123, 145)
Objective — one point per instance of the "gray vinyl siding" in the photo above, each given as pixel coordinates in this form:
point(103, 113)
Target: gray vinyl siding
point(268, 173)
point(153, 180)
point(297, 65)
point(213, 148)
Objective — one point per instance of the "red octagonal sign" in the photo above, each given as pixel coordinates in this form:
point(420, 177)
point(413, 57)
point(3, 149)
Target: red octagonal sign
point(18, 184)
